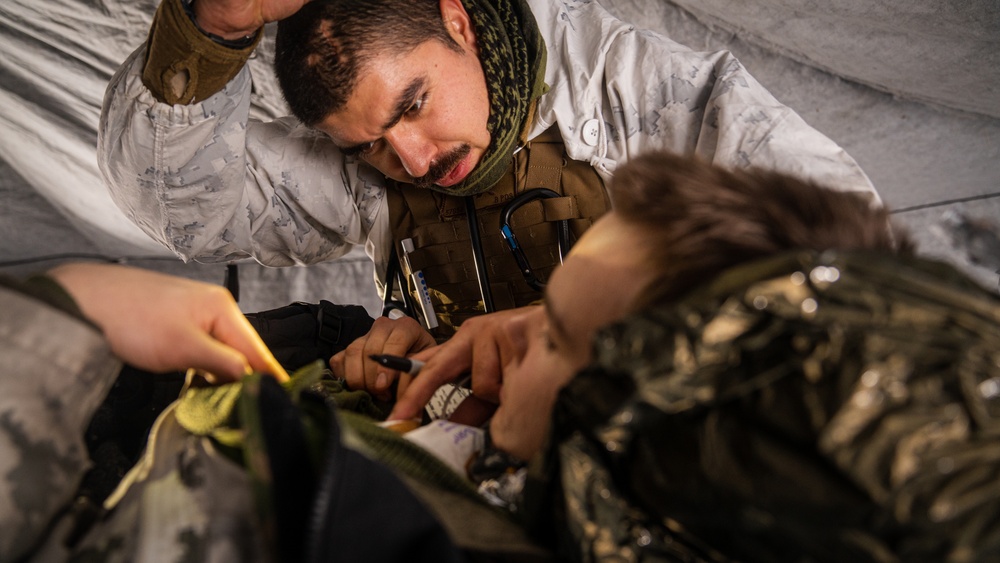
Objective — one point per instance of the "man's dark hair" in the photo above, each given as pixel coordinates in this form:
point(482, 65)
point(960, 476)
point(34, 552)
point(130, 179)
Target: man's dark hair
point(701, 219)
point(321, 50)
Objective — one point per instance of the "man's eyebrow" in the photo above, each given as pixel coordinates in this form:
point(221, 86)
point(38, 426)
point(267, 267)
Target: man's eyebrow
point(404, 102)
point(555, 322)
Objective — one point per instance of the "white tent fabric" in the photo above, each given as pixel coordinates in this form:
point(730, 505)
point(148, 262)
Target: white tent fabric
point(58, 58)
point(932, 51)
point(910, 89)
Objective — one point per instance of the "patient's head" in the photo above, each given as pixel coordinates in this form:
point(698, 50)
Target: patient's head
point(676, 223)
point(699, 220)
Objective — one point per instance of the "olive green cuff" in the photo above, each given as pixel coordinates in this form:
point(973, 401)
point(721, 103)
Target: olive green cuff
point(183, 65)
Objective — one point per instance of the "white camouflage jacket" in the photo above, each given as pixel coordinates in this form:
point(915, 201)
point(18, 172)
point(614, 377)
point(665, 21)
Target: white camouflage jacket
point(212, 184)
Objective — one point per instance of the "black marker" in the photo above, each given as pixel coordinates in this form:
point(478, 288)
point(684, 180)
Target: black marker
point(398, 363)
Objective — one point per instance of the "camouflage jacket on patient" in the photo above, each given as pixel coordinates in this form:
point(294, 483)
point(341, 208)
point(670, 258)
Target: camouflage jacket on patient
point(834, 407)
point(58, 369)
point(248, 471)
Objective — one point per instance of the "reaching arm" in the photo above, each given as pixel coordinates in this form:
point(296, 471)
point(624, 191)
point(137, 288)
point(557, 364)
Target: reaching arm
point(397, 337)
point(164, 323)
point(184, 160)
point(480, 348)
point(58, 369)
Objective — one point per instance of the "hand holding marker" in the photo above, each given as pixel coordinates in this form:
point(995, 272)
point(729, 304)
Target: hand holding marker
point(398, 363)
point(439, 406)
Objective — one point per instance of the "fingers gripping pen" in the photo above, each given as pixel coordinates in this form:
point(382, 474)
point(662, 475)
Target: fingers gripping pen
point(406, 365)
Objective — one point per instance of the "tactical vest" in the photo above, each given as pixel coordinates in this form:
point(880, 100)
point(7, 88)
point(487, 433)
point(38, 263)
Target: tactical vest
point(442, 250)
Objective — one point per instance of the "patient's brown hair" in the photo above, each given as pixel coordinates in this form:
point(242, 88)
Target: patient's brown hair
point(703, 219)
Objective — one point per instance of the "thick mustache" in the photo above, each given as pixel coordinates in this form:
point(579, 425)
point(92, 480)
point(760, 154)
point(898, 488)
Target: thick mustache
point(440, 168)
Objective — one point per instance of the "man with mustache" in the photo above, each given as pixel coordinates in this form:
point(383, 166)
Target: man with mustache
point(478, 101)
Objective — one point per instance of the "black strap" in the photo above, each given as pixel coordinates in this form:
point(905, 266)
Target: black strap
point(477, 253)
point(392, 277)
point(301, 333)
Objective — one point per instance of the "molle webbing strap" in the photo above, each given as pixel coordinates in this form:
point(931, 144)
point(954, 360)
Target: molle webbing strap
point(545, 166)
point(460, 251)
point(546, 210)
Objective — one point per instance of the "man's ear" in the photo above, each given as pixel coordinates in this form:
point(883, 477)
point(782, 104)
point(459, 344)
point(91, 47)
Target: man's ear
point(458, 23)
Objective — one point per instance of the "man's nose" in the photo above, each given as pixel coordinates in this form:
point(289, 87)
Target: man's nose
point(415, 153)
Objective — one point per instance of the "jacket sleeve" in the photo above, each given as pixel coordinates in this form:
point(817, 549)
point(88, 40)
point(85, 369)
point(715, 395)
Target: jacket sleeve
point(641, 91)
point(212, 184)
point(58, 369)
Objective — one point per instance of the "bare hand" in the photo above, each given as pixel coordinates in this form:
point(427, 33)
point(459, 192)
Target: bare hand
point(480, 347)
point(399, 337)
point(165, 323)
point(234, 19)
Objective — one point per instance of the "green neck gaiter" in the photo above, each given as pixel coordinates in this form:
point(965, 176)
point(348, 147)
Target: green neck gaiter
point(512, 53)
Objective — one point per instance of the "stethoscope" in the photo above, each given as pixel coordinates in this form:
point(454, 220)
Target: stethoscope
point(508, 234)
point(506, 214)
